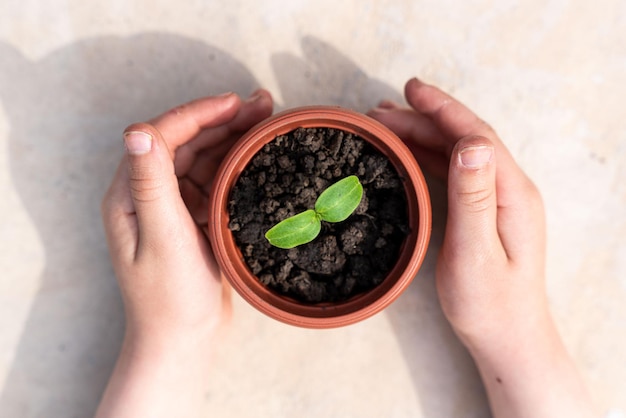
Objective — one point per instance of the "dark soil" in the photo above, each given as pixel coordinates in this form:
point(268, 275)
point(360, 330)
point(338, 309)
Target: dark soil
point(285, 178)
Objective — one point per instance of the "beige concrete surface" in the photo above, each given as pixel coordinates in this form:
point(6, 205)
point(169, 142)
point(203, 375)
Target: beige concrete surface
point(550, 76)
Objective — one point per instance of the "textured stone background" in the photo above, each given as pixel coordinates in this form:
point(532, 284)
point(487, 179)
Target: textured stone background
point(550, 76)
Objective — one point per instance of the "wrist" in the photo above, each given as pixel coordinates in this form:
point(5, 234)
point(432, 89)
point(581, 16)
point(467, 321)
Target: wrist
point(164, 345)
point(157, 376)
point(527, 371)
point(531, 326)
point(534, 342)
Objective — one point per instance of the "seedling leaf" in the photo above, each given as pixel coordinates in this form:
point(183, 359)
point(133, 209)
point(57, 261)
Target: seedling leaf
point(335, 204)
point(296, 230)
point(339, 200)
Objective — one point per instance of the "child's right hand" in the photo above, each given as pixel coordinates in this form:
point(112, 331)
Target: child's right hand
point(490, 270)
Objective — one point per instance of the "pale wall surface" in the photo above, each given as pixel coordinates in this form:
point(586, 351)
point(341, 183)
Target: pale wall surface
point(550, 76)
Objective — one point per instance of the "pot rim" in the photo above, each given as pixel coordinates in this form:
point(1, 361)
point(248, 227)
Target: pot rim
point(322, 315)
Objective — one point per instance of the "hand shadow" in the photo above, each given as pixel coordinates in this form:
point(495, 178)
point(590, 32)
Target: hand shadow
point(440, 367)
point(327, 77)
point(66, 114)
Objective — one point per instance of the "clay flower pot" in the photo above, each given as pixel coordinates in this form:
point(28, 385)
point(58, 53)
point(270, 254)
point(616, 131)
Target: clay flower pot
point(322, 315)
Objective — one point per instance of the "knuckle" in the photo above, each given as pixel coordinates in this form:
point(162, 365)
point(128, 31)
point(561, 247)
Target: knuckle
point(430, 98)
point(145, 183)
point(142, 172)
point(145, 190)
point(178, 110)
point(476, 201)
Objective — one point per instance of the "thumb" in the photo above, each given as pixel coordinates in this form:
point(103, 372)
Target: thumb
point(153, 184)
point(472, 207)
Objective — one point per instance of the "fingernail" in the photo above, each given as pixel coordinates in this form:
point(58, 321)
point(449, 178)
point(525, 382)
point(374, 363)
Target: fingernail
point(228, 93)
point(387, 104)
point(137, 142)
point(380, 109)
point(476, 156)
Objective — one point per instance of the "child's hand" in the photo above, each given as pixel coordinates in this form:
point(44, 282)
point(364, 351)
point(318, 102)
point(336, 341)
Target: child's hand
point(490, 270)
point(155, 216)
point(155, 212)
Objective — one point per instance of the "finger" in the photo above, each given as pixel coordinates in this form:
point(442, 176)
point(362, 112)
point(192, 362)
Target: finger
point(153, 187)
point(206, 163)
point(419, 134)
point(521, 221)
point(256, 108)
point(411, 127)
point(183, 123)
point(388, 104)
point(455, 121)
point(450, 116)
point(196, 201)
point(471, 230)
point(434, 162)
point(186, 154)
point(513, 187)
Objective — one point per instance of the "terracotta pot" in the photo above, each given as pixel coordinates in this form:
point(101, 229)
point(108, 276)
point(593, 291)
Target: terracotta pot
point(323, 315)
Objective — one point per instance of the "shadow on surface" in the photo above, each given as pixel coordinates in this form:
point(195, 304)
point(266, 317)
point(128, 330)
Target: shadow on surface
point(66, 114)
point(445, 378)
point(325, 76)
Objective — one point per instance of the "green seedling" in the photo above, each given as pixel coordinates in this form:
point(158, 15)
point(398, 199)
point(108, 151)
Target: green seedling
point(334, 204)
